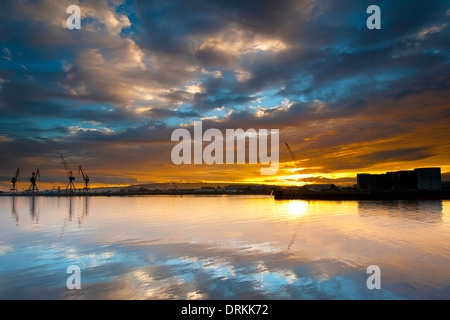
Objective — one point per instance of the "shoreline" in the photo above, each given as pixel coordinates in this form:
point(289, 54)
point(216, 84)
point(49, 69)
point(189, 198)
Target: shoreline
point(276, 194)
point(381, 195)
point(127, 194)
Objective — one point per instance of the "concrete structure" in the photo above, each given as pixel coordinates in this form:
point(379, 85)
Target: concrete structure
point(368, 182)
point(429, 178)
point(419, 179)
point(363, 181)
point(403, 180)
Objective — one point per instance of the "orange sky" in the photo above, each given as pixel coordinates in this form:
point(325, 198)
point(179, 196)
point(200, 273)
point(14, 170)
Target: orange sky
point(108, 96)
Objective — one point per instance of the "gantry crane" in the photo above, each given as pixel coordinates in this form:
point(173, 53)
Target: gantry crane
point(297, 164)
point(14, 180)
point(34, 177)
point(85, 178)
point(70, 186)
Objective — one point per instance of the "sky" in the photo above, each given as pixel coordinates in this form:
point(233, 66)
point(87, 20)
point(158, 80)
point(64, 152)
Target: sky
point(108, 96)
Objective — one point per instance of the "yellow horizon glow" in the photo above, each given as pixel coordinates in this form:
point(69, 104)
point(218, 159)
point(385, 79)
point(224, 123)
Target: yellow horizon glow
point(283, 178)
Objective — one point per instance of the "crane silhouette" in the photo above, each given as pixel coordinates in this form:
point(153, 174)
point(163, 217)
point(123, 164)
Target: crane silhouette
point(71, 187)
point(85, 178)
point(297, 164)
point(14, 181)
point(34, 177)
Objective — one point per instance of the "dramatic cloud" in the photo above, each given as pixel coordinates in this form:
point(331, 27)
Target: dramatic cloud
point(347, 99)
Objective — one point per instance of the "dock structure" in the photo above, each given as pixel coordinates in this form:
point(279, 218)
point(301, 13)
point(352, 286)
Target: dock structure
point(33, 188)
point(362, 195)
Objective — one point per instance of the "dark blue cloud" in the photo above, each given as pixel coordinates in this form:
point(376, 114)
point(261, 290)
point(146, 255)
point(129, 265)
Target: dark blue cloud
point(140, 64)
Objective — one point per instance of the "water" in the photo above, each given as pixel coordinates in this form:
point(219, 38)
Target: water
point(222, 247)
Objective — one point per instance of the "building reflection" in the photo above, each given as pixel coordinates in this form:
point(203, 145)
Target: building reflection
point(70, 214)
point(34, 210)
point(34, 214)
point(429, 211)
point(14, 211)
point(70, 209)
point(85, 212)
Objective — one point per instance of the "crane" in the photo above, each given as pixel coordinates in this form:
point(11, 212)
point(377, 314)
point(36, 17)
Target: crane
point(70, 186)
point(297, 164)
point(34, 177)
point(14, 180)
point(85, 178)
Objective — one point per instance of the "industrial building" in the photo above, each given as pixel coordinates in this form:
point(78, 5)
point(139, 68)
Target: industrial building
point(417, 179)
point(429, 178)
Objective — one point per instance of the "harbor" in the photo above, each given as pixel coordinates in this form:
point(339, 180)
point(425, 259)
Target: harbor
point(417, 184)
point(360, 195)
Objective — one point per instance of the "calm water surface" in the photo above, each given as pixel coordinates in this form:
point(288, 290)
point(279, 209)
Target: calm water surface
point(222, 247)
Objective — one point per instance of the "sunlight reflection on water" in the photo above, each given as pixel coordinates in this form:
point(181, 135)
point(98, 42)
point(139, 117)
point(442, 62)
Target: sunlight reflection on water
point(222, 247)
